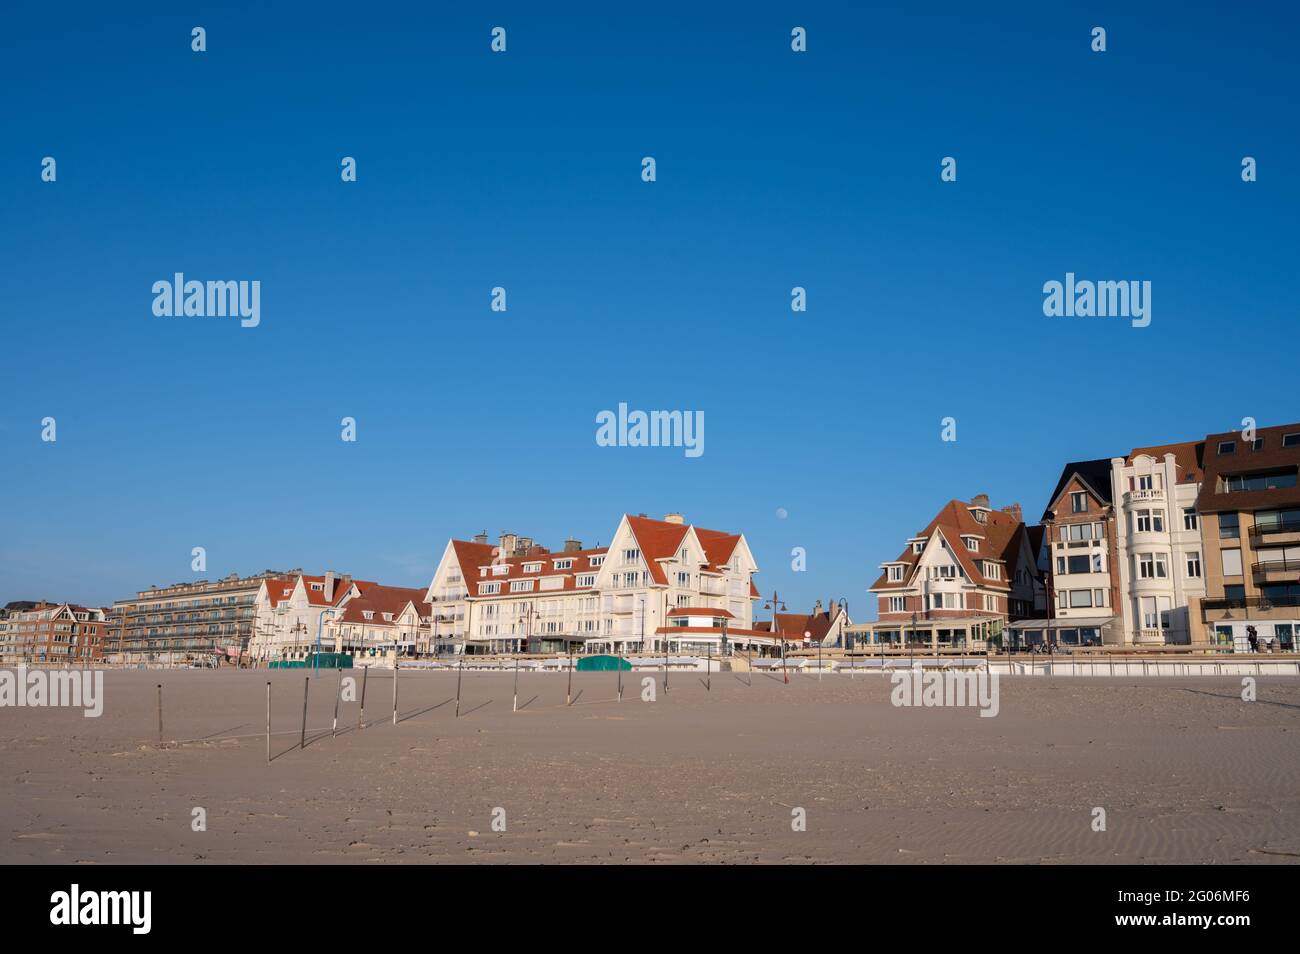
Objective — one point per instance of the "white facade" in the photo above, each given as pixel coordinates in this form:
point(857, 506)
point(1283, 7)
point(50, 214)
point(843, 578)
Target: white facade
point(498, 599)
point(289, 616)
point(1158, 545)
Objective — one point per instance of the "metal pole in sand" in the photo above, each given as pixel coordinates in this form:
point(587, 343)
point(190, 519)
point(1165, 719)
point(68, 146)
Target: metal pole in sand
point(819, 662)
point(160, 715)
point(750, 651)
point(785, 670)
point(306, 684)
point(568, 695)
point(397, 667)
point(361, 716)
point(268, 723)
point(515, 705)
point(337, 693)
point(619, 668)
point(460, 667)
point(708, 670)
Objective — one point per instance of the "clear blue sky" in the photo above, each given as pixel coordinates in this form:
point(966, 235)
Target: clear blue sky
point(522, 170)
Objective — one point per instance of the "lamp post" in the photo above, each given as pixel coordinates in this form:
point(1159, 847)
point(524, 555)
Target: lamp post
point(911, 643)
point(774, 604)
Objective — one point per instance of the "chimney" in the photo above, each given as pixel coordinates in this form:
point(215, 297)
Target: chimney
point(980, 500)
point(480, 537)
point(508, 541)
point(1014, 510)
point(674, 518)
point(818, 608)
point(525, 544)
point(329, 586)
point(572, 546)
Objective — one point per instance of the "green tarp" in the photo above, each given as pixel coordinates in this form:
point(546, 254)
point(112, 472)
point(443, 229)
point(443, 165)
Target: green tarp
point(602, 663)
point(323, 661)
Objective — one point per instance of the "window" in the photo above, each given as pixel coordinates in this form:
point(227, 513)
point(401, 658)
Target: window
point(1080, 599)
point(990, 603)
point(1231, 562)
point(1146, 566)
point(1189, 518)
point(1257, 444)
point(992, 570)
point(521, 586)
point(1078, 502)
point(917, 546)
point(1273, 480)
point(596, 560)
point(631, 556)
point(587, 579)
point(1227, 447)
point(1078, 564)
point(1193, 566)
point(1228, 526)
point(897, 604)
point(489, 588)
point(532, 568)
point(1291, 440)
point(1144, 482)
point(972, 544)
point(563, 564)
point(895, 574)
point(683, 578)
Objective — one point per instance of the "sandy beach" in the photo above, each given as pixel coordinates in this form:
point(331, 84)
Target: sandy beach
point(1185, 770)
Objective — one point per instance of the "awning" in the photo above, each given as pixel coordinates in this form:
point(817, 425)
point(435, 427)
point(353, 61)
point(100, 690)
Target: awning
point(1087, 622)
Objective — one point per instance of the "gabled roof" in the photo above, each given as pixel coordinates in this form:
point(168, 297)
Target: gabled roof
point(1093, 474)
point(1000, 536)
point(472, 557)
point(384, 599)
point(1188, 455)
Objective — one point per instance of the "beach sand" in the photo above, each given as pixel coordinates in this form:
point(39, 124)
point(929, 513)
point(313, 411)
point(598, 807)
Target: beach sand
point(1185, 770)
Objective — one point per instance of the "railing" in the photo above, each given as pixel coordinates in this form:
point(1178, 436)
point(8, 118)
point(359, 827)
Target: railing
point(1284, 565)
point(1139, 496)
point(1251, 602)
point(1283, 525)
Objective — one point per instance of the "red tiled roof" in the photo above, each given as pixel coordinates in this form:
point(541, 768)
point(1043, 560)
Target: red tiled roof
point(1000, 540)
point(1188, 456)
point(700, 611)
point(384, 599)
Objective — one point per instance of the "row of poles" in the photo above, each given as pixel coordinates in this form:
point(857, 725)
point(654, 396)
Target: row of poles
point(365, 673)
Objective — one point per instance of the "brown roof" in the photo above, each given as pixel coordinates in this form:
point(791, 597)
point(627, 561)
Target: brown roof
point(700, 611)
point(384, 599)
point(1000, 542)
point(1187, 455)
point(1244, 459)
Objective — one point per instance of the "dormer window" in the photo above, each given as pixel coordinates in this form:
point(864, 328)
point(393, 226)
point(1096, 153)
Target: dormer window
point(917, 546)
point(532, 568)
point(501, 569)
point(597, 560)
point(1227, 447)
point(563, 564)
point(367, 614)
point(895, 574)
point(972, 544)
point(388, 617)
point(318, 586)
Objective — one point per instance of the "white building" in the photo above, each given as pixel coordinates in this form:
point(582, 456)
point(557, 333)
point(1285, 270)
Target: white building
point(290, 615)
point(517, 596)
point(382, 620)
point(1158, 541)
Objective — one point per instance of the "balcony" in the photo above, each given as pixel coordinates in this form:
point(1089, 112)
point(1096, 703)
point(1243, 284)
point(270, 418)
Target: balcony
point(1282, 569)
point(1252, 602)
point(1154, 495)
point(1285, 530)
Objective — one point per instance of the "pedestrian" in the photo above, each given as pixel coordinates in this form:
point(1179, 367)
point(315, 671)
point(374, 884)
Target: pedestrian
point(1252, 638)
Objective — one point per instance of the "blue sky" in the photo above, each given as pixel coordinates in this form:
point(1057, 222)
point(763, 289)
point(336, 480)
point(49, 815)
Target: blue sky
point(775, 169)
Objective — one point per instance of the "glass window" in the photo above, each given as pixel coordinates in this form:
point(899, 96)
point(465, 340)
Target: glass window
point(1227, 447)
point(1078, 503)
point(1189, 518)
point(1232, 562)
point(1228, 526)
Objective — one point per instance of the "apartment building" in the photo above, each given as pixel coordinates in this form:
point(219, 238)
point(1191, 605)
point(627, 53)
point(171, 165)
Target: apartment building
point(958, 582)
point(203, 621)
point(378, 620)
point(1158, 542)
point(1249, 506)
point(43, 633)
point(518, 596)
point(1080, 544)
point(290, 616)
